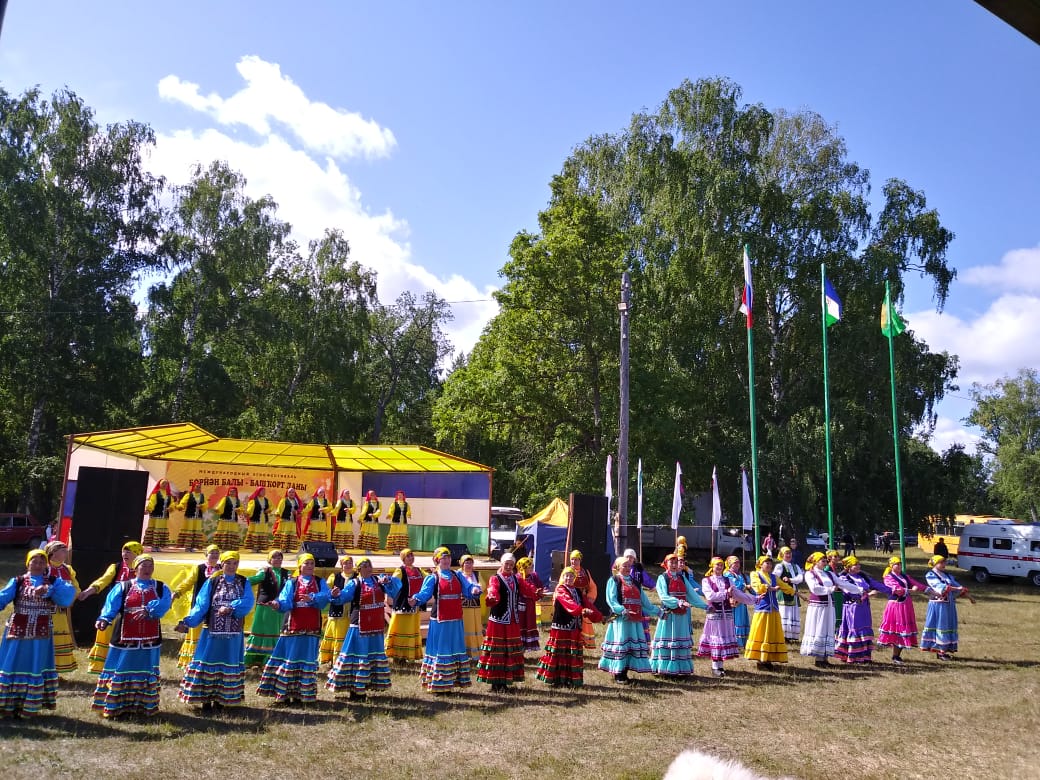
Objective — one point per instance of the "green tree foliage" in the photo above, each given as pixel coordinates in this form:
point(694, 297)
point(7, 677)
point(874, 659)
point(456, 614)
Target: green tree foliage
point(672, 199)
point(1008, 412)
point(78, 223)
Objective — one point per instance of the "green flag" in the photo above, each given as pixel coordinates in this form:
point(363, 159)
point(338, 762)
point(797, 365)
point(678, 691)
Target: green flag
point(891, 323)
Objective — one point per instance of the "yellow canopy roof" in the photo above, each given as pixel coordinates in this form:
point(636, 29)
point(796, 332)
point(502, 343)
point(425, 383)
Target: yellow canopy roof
point(556, 513)
point(188, 442)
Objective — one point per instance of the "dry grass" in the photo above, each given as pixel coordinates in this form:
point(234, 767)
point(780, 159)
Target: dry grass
point(975, 716)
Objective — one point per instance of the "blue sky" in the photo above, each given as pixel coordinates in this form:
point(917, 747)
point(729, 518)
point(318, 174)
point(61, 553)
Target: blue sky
point(429, 132)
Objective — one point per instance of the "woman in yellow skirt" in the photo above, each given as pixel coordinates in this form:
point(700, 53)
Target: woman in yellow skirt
point(403, 641)
point(398, 515)
point(193, 504)
point(472, 619)
point(369, 539)
point(64, 660)
point(116, 572)
point(338, 620)
point(287, 522)
point(766, 643)
point(227, 535)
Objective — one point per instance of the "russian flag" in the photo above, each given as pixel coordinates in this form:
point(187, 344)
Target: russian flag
point(747, 298)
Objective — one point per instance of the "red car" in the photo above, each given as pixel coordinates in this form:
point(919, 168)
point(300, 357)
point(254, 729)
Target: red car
point(21, 530)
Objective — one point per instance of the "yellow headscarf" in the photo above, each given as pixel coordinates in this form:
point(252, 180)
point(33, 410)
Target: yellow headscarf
point(36, 551)
point(935, 559)
point(230, 555)
point(568, 570)
point(813, 559)
point(302, 560)
point(212, 549)
point(730, 561)
point(362, 561)
point(762, 559)
point(850, 561)
point(439, 553)
point(711, 565)
point(575, 554)
point(894, 560)
point(783, 551)
point(832, 554)
point(57, 544)
point(142, 558)
point(524, 563)
point(405, 553)
point(465, 558)
point(134, 548)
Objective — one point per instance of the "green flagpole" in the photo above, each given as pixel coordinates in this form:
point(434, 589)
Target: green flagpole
point(895, 422)
point(826, 407)
point(754, 437)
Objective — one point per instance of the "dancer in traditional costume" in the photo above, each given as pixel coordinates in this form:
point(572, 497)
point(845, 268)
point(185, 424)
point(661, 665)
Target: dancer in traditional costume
point(741, 618)
point(835, 568)
point(291, 673)
point(369, 539)
point(563, 663)
point(259, 533)
point(403, 640)
point(193, 504)
point(361, 664)
point(529, 635)
point(898, 622)
point(216, 674)
point(671, 651)
point(790, 572)
point(129, 683)
point(190, 580)
point(587, 587)
point(336, 622)
point(818, 637)
point(226, 535)
point(287, 521)
point(939, 634)
point(28, 679)
point(501, 661)
point(270, 578)
point(472, 620)
point(157, 532)
point(624, 645)
point(719, 639)
point(398, 515)
point(64, 659)
point(315, 527)
point(446, 663)
point(640, 575)
point(854, 643)
point(766, 644)
point(115, 573)
point(343, 532)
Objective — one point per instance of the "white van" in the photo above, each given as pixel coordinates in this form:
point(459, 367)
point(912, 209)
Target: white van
point(1001, 548)
point(503, 520)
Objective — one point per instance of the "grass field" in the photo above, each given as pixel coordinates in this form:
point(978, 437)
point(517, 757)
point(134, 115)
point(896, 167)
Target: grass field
point(974, 717)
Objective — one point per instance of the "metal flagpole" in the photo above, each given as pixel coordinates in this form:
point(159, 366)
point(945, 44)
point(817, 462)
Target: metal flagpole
point(895, 421)
point(826, 406)
point(751, 402)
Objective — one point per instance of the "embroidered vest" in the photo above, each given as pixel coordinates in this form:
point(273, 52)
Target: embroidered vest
point(302, 619)
point(222, 594)
point(271, 584)
point(371, 508)
point(399, 514)
point(344, 508)
point(366, 610)
point(630, 597)
point(261, 506)
point(448, 593)
point(31, 618)
point(677, 588)
point(411, 581)
point(721, 607)
point(229, 507)
point(195, 500)
point(505, 611)
point(162, 505)
point(136, 625)
point(562, 620)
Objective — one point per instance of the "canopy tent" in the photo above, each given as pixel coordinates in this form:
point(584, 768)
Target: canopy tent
point(548, 531)
point(450, 497)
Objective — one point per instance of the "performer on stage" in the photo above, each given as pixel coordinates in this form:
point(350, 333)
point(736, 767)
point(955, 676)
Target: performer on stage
point(361, 665)
point(719, 639)
point(129, 683)
point(157, 533)
point(315, 527)
point(193, 504)
point(336, 623)
point(741, 618)
point(472, 620)
point(343, 534)
point(190, 580)
point(898, 621)
point(403, 641)
point(267, 620)
point(398, 515)
point(671, 651)
point(226, 535)
point(64, 660)
point(940, 621)
point(793, 574)
point(563, 662)
point(446, 664)
point(216, 674)
point(854, 643)
point(818, 638)
point(259, 535)
point(529, 635)
point(587, 587)
point(370, 509)
point(291, 673)
point(287, 522)
point(501, 661)
point(28, 679)
point(766, 644)
point(115, 573)
point(624, 644)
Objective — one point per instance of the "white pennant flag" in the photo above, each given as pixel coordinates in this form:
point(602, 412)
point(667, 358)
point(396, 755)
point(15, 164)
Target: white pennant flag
point(749, 515)
point(609, 492)
point(716, 503)
point(639, 495)
point(677, 496)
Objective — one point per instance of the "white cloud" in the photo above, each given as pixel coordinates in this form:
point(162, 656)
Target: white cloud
point(949, 432)
point(302, 174)
point(1018, 272)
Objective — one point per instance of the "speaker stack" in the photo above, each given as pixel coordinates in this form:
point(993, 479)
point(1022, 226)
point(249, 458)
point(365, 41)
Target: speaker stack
point(589, 532)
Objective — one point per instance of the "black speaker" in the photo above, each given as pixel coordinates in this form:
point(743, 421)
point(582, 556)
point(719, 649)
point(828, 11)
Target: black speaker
point(89, 565)
point(588, 532)
point(457, 551)
point(109, 508)
point(324, 552)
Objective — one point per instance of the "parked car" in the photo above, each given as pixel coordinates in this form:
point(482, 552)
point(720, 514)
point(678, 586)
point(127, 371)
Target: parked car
point(815, 542)
point(20, 530)
point(504, 520)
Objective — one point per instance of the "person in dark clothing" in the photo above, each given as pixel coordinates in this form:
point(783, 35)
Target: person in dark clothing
point(941, 548)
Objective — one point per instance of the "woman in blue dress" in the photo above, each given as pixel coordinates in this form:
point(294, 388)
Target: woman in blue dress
point(446, 664)
point(216, 674)
point(940, 621)
point(671, 651)
point(624, 646)
point(361, 665)
point(741, 618)
point(28, 677)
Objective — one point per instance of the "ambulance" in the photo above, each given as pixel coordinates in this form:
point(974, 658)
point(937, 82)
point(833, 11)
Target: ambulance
point(1001, 548)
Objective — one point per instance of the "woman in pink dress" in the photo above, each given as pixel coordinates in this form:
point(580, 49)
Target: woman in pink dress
point(898, 622)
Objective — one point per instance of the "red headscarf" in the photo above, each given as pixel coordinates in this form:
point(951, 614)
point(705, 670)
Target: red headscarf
point(255, 494)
